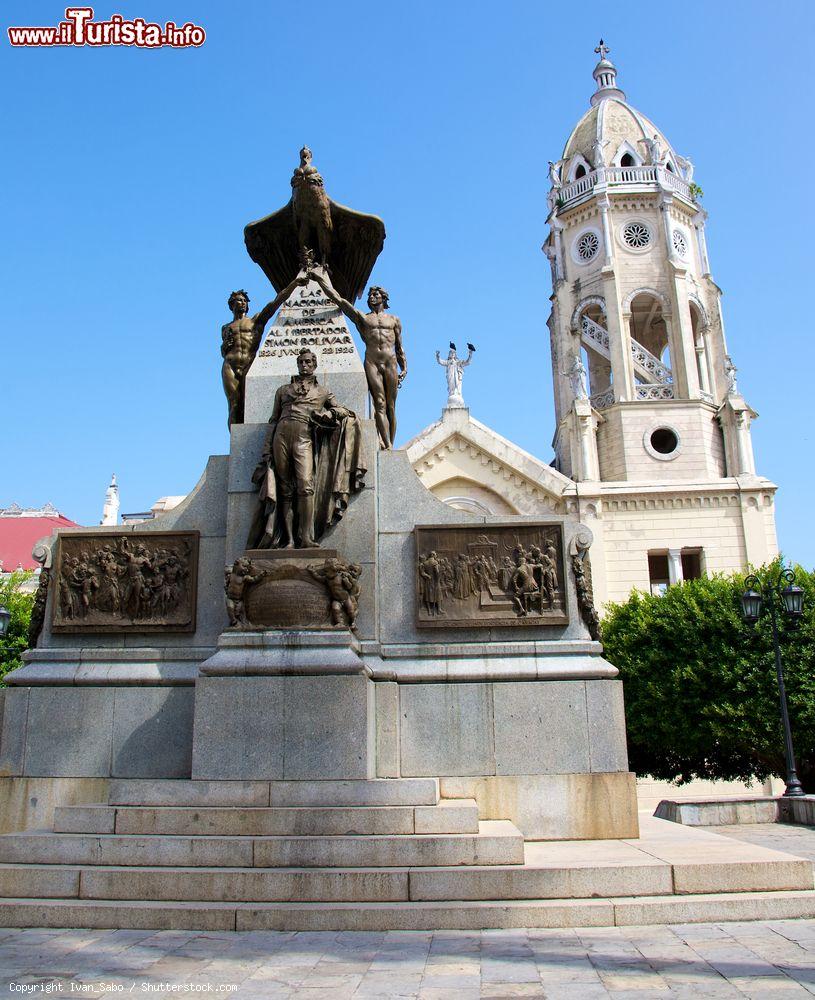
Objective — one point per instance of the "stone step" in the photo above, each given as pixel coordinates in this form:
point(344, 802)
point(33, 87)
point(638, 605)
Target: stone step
point(451, 816)
point(205, 884)
point(183, 792)
point(401, 915)
point(533, 880)
point(497, 842)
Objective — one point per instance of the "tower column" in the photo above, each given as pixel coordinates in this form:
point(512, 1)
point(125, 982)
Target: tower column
point(711, 374)
point(557, 257)
point(587, 432)
point(699, 227)
point(618, 343)
point(683, 348)
point(603, 205)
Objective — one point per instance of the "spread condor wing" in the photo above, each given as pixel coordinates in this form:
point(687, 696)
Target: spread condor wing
point(356, 241)
point(272, 243)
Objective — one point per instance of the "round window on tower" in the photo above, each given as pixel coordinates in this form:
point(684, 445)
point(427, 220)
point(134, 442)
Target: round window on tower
point(586, 247)
point(662, 442)
point(636, 235)
point(680, 243)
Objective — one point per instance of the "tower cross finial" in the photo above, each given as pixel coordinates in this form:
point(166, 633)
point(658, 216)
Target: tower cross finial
point(602, 49)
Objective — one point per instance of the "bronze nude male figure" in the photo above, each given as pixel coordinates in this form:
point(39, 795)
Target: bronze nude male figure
point(385, 362)
point(310, 463)
point(240, 340)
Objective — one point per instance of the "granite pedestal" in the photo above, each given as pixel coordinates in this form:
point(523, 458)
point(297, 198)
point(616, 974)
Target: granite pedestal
point(285, 705)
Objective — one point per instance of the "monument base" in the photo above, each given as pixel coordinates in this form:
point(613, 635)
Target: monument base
point(278, 653)
point(287, 726)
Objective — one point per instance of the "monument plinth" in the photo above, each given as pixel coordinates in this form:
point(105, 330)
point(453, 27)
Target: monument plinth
point(333, 619)
point(307, 319)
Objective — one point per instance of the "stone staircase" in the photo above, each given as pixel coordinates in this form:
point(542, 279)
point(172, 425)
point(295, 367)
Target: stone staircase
point(379, 854)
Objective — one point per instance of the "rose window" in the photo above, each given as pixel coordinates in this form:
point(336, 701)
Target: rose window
point(587, 246)
point(680, 243)
point(636, 235)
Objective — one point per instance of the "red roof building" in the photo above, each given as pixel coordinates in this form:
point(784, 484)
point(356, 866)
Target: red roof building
point(20, 529)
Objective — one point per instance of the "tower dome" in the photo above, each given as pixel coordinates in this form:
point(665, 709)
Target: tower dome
point(611, 129)
point(612, 134)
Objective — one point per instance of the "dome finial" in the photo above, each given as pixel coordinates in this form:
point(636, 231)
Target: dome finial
point(605, 74)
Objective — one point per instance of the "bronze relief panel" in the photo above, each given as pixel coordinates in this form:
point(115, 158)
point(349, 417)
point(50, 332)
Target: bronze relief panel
point(490, 575)
point(126, 582)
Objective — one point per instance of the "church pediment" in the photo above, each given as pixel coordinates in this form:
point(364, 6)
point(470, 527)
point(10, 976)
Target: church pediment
point(470, 466)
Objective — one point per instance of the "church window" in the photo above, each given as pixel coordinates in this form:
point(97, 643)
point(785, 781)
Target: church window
point(669, 567)
point(636, 235)
point(658, 573)
point(680, 243)
point(669, 168)
point(627, 161)
point(664, 440)
point(587, 246)
point(691, 564)
point(580, 172)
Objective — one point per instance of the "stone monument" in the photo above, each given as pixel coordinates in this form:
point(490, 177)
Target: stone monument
point(312, 613)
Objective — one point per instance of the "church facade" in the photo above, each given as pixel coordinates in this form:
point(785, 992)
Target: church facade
point(652, 441)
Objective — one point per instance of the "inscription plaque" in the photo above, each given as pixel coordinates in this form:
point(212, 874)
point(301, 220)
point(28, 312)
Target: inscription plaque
point(126, 582)
point(490, 575)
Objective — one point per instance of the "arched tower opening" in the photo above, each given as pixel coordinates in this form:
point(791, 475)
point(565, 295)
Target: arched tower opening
point(592, 326)
point(651, 346)
point(701, 344)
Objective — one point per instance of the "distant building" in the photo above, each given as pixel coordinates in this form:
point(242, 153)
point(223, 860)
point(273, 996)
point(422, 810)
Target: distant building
point(20, 529)
point(161, 506)
point(110, 512)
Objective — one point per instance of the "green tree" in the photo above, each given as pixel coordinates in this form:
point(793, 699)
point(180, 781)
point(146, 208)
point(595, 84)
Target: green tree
point(19, 603)
point(700, 687)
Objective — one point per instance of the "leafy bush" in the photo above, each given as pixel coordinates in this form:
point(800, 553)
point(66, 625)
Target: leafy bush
point(700, 687)
point(19, 603)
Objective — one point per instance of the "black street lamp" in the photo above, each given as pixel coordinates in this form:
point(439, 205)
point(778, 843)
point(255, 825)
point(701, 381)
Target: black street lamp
point(772, 593)
point(5, 618)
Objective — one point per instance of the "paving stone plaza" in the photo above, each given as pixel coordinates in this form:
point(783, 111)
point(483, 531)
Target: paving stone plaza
point(755, 960)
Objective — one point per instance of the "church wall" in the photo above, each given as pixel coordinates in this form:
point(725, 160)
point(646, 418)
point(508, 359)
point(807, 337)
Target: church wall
point(623, 454)
point(713, 524)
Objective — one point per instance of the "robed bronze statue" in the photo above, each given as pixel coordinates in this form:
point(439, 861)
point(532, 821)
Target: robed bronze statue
point(345, 241)
point(310, 464)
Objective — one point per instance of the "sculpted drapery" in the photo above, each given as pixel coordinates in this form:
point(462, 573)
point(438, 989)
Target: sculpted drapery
point(310, 465)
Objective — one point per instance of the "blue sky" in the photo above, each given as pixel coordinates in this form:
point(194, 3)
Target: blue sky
point(129, 176)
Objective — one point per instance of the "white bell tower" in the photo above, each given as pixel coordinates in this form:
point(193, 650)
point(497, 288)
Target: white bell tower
point(645, 390)
point(635, 302)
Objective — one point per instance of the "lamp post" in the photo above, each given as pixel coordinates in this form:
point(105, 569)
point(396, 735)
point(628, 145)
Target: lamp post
point(774, 595)
point(5, 618)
